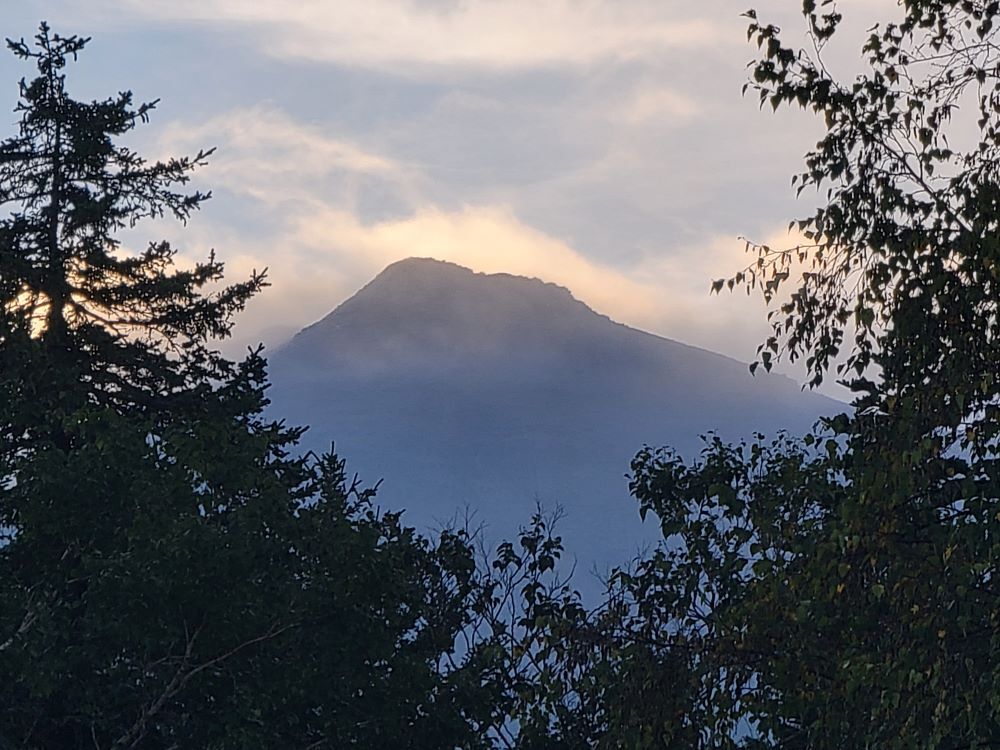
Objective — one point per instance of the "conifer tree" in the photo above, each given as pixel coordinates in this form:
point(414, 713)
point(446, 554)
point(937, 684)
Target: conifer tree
point(172, 573)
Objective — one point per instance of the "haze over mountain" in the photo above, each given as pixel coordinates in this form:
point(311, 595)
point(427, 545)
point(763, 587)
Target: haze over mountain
point(494, 392)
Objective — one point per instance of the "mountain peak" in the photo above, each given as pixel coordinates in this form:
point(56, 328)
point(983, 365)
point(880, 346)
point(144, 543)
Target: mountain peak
point(432, 314)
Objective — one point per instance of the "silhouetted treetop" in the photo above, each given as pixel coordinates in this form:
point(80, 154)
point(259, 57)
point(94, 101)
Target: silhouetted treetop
point(66, 282)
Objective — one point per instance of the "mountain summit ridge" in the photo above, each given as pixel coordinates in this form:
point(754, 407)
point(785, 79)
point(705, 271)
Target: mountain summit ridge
point(438, 315)
point(416, 297)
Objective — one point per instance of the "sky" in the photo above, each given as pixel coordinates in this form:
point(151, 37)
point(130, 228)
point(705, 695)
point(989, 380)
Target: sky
point(600, 144)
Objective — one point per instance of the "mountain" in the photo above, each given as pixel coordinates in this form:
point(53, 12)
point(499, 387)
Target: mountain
point(495, 392)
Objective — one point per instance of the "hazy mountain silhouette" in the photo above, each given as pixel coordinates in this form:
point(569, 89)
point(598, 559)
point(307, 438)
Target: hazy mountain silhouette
point(490, 392)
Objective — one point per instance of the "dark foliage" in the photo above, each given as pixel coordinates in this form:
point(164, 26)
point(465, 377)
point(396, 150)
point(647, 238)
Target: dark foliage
point(839, 590)
point(171, 573)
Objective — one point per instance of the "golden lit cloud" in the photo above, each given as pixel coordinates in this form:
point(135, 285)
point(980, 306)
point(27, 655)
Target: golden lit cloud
point(485, 238)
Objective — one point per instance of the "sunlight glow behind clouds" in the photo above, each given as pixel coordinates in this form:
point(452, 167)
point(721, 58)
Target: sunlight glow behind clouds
point(485, 238)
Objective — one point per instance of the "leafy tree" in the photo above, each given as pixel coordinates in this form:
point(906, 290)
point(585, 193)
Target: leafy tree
point(172, 574)
point(840, 590)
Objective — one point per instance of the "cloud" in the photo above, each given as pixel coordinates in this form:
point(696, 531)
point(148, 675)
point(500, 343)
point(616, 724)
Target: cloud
point(659, 104)
point(486, 33)
point(731, 322)
point(269, 156)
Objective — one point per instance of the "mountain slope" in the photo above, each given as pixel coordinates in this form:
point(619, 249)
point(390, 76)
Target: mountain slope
point(492, 392)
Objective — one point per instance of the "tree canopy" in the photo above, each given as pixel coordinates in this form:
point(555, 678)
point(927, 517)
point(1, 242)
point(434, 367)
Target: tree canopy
point(838, 589)
point(172, 572)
